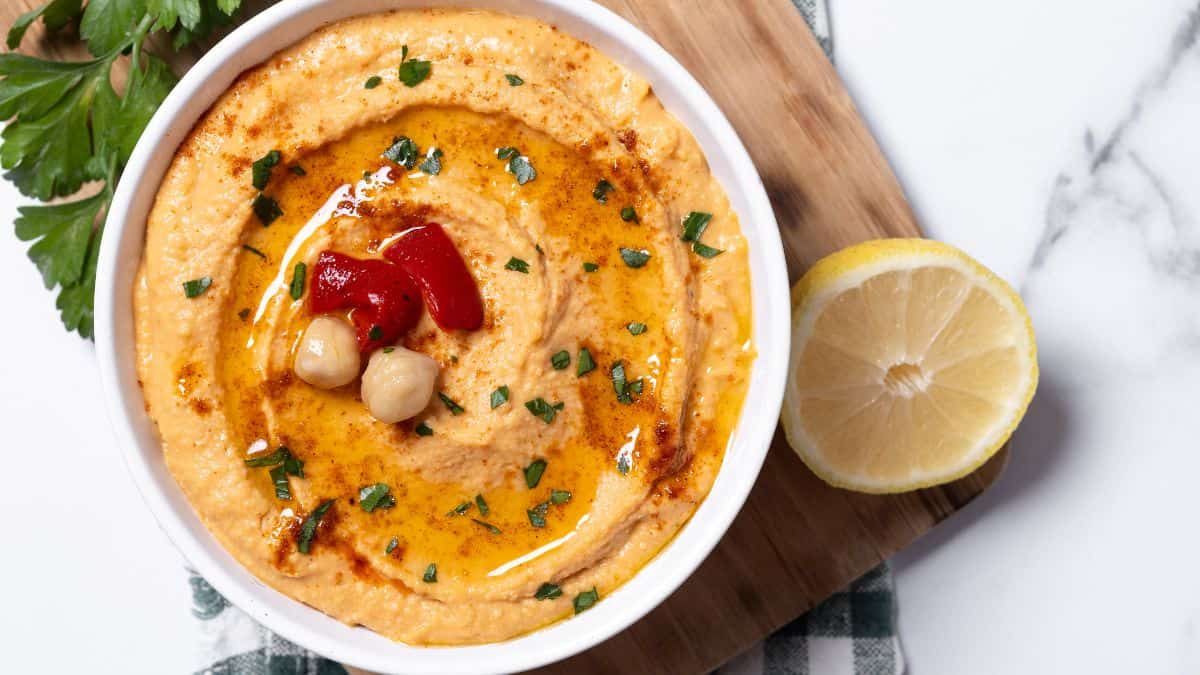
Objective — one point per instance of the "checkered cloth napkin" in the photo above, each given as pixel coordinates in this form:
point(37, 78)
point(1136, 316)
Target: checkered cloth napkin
point(851, 633)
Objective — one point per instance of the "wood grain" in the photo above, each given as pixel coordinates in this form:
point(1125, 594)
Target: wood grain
point(797, 540)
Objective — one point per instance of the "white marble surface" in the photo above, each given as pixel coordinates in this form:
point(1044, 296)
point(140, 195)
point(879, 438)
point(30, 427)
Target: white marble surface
point(1081, 559)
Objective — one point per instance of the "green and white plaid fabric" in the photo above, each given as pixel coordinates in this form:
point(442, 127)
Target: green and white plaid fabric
point(851, 633)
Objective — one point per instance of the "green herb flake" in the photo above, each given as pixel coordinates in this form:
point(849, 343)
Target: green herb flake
point(266, 210)
point(413, 72)
point(455, 409)
point(706, 251)
point(377, 496)
point(620, 384)
point(635, 257)
point(537, 515)
point(293, 465)
point(297, 170)
point(585, 364)
point(539, 407)
point(277, 457)
point(250, 249)
point(514, 80)
point(629, 215)
point(196, 287)
point(694, 225)
point(590, 267)
point(376, 333)
point(462, 508)
point(308, 529)
point(482, 505)
point(507, 152)
point(372, 82)
point(585, 600)
point(492, 529)
point(600, 193)
point(636, 386)
point(624, 463)
point(392, 545)
point(430, 576)
point(423, 429)
point(520, 167)
point(260, 170)
point(433, 162)
point(559, 497)
point(517, 265)
point(279, 479)
point(548, 591)
point(635, 327)
point(560, 360)
point(402, 151)
point(533, 473)
point(500, 396)
point(388, 350)
point(297, 286)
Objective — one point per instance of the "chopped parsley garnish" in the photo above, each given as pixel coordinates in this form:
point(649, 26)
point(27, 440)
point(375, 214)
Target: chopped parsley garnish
point(423, 429)
point(266, 209)
point(620, 384)
point(279, 479)
point(705, 251)
point(507, 152)
point(629, 215)
point(377, 496)
point(636, 386)
point(635, 257)
point(462, 508)
point(500, 396)
point(392, 545)
point(585, 364)
point(548, 591)
point(694, 225)
point(543, 409)
point(558, 497)
point(455, 409)
point(590, 267)
point(636, 327)
point(412, 72)
point(481, 505)
point(277, 457)
point(293, 465)
point(196, 287)
point(260, 170)
point(600, 193)
point(308, 529)
point(517, 265)
point(402, 151)
point(430, 576)
point(297, 170)
point(376, 333)
point(487, 526)
point(585, 600)
point(297, 286)
point(520, 167)
point(537, 515)
point(624, 463)
point(372, 82)
point(388, 350)
point(514, 80)
point(433, 162)
point(533, 473)
point(250, 249)
point(561, 360)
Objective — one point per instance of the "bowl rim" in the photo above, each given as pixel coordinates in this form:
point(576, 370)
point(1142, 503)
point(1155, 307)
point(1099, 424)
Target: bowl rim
point(120, 252)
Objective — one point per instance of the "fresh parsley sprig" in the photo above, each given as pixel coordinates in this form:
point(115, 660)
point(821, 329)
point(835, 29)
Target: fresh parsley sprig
point(68, 127)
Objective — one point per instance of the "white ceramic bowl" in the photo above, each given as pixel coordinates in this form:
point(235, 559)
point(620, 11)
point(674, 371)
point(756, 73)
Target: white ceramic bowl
point(254, 42)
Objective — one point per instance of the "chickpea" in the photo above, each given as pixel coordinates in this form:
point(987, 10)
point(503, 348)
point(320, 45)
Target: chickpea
point(328, 355)
point(398, 383)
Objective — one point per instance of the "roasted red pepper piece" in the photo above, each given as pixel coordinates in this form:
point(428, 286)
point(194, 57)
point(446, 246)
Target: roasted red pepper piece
point(384, 300)
point(428, 255)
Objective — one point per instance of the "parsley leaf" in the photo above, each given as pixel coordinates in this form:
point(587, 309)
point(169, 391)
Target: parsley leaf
point(548, 591)
point(308, 529)
point(279, 480)
point(533, 473)
point(433, 162)
point(455, 409)
point(250, 249)
point(706, 251)
point(590, 267)
point(537, 515)
point(634, 257)
point(585, 363)
point(296, 288)
point(430, 576)
point(402, 151)
point(600, 194)
point(629, 215)
point(558, 497)
point(372, 82)
point(514, 80)
point(481, 505)
point(520, 167)
point(636, 327)
point(267, 209)
point(423, 429)
point(500, 396)
point(377, 496)
point(560, 360)
point(539, 407)
point(413, 72)
point(54, 14)
point(585, 600)
point(260, 170)
point(517, 265)
point(492, 529)
point(196, 287)
point(506, 152)
point(620, 384)
point(694, 225)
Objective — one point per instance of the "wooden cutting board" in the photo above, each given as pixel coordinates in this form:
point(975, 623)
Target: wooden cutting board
point(797, 540)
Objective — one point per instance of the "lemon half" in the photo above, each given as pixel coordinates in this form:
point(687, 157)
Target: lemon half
point(911, 365)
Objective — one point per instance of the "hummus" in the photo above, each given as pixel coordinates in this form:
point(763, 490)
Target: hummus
point(475, 540)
